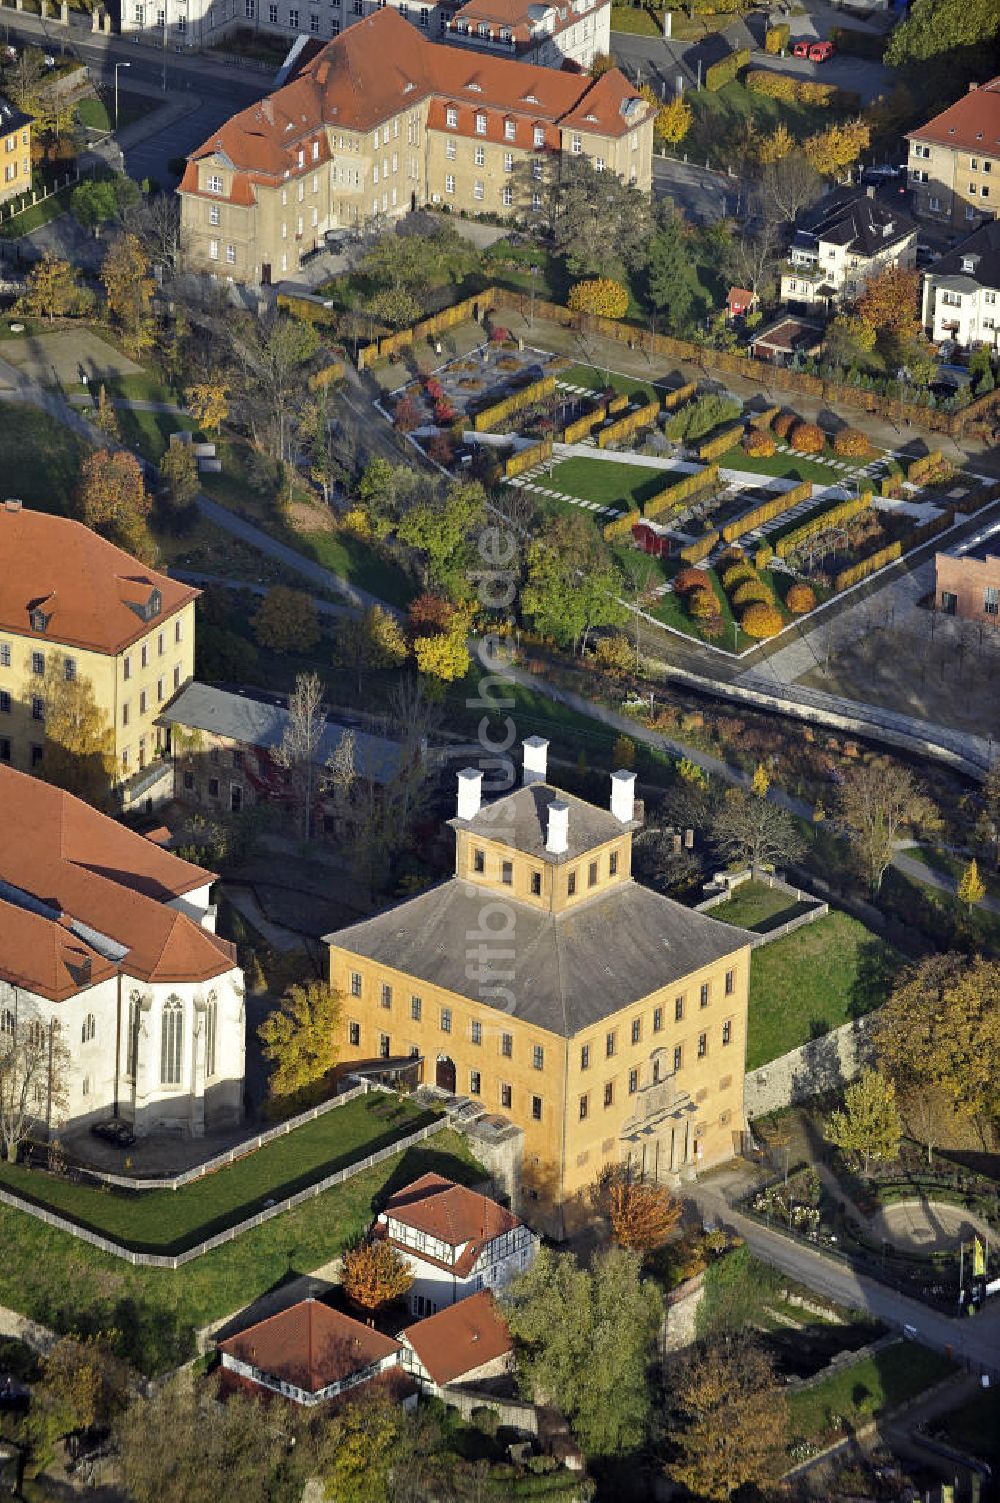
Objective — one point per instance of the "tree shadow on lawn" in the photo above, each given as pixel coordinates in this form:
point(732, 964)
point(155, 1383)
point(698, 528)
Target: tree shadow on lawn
point(877, 968)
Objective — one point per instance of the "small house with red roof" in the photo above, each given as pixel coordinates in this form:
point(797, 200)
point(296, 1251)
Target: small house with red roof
point(309, 1353)
point(456, 1241)
point(465, 1343)
point(739, 301)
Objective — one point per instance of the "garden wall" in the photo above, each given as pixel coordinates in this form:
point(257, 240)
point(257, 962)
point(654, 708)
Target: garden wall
point(823, 1064)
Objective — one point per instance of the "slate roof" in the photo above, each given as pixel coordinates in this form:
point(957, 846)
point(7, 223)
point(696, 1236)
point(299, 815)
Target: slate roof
point(984, 244)
point(520, 820)
point(863, 225)
point(567, 970)
point(255, 720)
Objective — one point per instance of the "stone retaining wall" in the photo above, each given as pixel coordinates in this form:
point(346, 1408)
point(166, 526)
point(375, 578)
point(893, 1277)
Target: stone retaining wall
point(823, 1064)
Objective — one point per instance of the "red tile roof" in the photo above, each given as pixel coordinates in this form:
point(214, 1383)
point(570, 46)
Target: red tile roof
point(67, 864)
point(972, 123)
point(86, 585)
point(453, 1214)
point(460, 1339)
point(310, 1345)
point(380, 66)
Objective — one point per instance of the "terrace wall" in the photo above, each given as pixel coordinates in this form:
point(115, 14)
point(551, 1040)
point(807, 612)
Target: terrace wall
point(823, 1064)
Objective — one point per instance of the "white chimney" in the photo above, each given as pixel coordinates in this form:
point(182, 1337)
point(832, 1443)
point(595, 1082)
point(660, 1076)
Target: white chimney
point(470, 792)
point(536, 759)
point(557, 839)
point(623, 795)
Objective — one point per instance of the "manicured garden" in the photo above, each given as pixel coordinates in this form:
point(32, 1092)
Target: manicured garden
point(593, 378)
point(65, 1284)
point(785, 465)
point(813, 980)
point(607, 482)
point(169, 1221)
point(754, 905)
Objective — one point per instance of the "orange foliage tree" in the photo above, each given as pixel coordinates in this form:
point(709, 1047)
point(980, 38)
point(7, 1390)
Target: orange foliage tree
point(800, 598)
point(760, 620)
point(641, 1216)
point(807, 438)
point(889, 302)
point(783, 424)
point(703, 603)
point(759, 443)
point(851, 443)
point(690, 579)
point(375, 1274)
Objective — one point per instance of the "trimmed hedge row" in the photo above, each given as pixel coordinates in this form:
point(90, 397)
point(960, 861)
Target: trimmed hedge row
point(458, 313)
point(321, 379)
point(866, 566)
point(582, 427)
point(830, 516)
point(777, 37)
point(679, 396)
point(725, 70)
point(696, 551)
point(618, 404)
point(712, 448)
point(643, 417)
point(620, 527)
point(763, 420)
point(919, 468)
point(526, 459)
point(672, 496)
point(489, 417)
point(767, 511)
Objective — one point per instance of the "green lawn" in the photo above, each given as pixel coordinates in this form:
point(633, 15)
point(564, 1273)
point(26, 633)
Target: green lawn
point(99, 114)
point(608, 482)
point(721, 118)
point(866, 1389)
point(787, 466)
point(638, 22)
point(39, 458)
point(803, 985)
point(169, 1221)
point(70, 1286)
point(595, 379)
point(757, 906)
point(36, 215)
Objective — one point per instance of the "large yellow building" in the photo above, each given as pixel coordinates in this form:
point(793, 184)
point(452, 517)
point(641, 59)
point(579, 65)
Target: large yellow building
point(383, 121)
point(15, 151)
point(605, 1020)
point(74, 604)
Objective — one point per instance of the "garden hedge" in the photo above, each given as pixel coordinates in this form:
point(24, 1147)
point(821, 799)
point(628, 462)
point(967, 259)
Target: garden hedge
point(489, 417)
point(643, 417)
point(712, 448)
point(679, 396)
point(767, 510)
point(582, 427)
point(526, 459)
point(919, 469)
point(776, 38)
point(673, 496)
point(695, 552)
point(620, 527)
point(723, 72)
point(763, 420)
point(866, 566)
point(831, 516)
point(618, 404)
point(458, 313)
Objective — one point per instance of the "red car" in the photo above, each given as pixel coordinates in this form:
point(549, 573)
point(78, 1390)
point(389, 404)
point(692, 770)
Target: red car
point(816, 52)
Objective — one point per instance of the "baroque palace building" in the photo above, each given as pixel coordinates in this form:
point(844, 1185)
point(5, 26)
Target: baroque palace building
point(607, 1021)
point(383, 121)
point(74, 605)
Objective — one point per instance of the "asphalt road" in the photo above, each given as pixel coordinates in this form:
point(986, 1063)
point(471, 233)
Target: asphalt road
point(703, 196)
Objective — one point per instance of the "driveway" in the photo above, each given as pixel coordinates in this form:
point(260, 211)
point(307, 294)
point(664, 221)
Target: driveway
point(702, 195)
point(859, 74)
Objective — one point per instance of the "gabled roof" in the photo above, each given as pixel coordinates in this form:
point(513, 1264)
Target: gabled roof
point(972, 123)
point(310, 1346)
point(92, 592)
point(568, 970)
point(849, 218)
point(984, 245)
point(460, 1338)
point(451, 1213)
point(81, 892)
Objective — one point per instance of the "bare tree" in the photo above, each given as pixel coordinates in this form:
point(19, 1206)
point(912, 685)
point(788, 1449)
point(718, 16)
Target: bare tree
point(34, 1075)
point(298, 753)
point(341, 767)
point(749, 829)
point(789, 186)
point(878, 800)
point(752, 258)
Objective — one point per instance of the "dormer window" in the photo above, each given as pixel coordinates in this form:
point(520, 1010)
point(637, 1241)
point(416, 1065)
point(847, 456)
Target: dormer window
point(302, 159)
point(148, 609)
point(483, 29)
point(451, 116)
point(39, 620)
point(315, 151)
point(215, 183)
point(969, 263)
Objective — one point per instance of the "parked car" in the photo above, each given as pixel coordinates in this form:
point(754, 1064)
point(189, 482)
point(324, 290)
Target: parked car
point(113, 1130)
point(801, 49)
point(821, 52)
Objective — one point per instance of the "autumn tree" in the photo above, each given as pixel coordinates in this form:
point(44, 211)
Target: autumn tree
point(573, 584)
point(750, 830)
point(84, 1386)
point(673, 121)
point(602, 296)
point(726, 1419)
point(208, 404)
point(129, 287)
point(104, 415)
point(34, 1075)
point(111, 498)
point(641, 1215)
point(878, 800)
point(79, 752)
point(775, 146)
point(439, 632)
point(971, 887)
point(869, 1124)
point(584, 1340)
point(298, 1042)
point(890, 301)
point(52, 291)
point(369, 642)
point(179, 473)
point(940, 1028)
point(376, 1274)
point(287, 620)
point(948, 35)
point(830, 152)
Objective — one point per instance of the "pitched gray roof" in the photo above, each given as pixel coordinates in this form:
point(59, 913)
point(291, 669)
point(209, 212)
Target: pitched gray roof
point(520, 819)
point(984, 244)
point(255, 720)
point(850, 218)
point(567, 971)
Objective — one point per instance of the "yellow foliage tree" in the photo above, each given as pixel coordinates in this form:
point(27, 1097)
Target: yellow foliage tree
point(774, 147)
point(673, 120)
point(641, 1215)
point(972, 888)
point(833, 150)
point(760, 782)
point(129, 287)
point(208, 404)
point(601, 295)
point(444, 655)
point(52, 290)
point(297, 1041)
point(375, 1274)
point(79, 752)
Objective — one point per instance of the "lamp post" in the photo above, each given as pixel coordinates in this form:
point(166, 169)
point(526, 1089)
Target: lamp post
point(117, 66)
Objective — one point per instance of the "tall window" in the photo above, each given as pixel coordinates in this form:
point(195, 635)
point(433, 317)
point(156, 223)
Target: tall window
point(7, 1023)
point(211, 1032)
point(538, 1057)
point(171, 1042)
point(507, 1045)
point(89, 1028)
